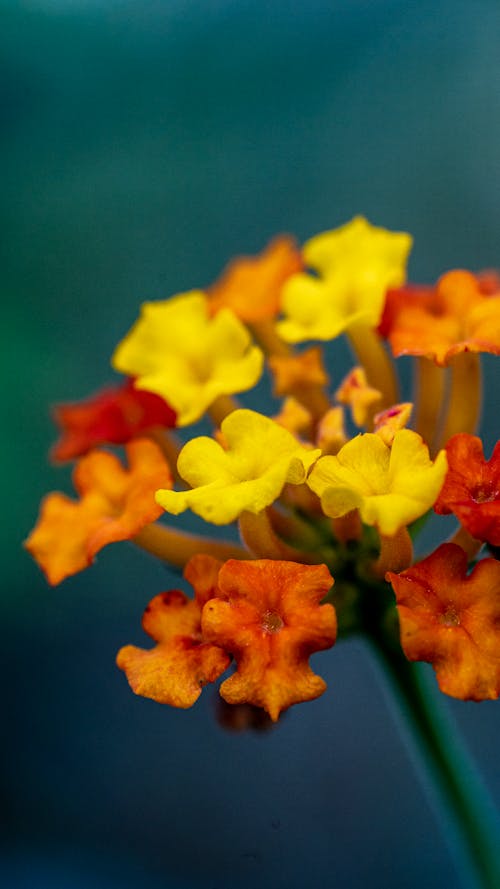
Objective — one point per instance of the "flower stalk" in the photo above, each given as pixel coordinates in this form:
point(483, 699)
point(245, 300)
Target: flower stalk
point(469, 821)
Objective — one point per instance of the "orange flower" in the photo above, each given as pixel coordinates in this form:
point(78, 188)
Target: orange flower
point(471, 487)
point(458, 315)
point(176, 669)
point(452, 620)
point(294, 372)
point(115, 503)
point(355, 391)
point(251, 285)
point(114, 415)
point(271, 621)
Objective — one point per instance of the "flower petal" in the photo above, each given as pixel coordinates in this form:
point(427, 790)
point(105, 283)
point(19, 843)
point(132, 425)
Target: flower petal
point(452, 620)
point(271, 620)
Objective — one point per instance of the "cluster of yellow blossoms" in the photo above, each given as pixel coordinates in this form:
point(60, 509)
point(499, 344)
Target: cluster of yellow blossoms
point(333, 486)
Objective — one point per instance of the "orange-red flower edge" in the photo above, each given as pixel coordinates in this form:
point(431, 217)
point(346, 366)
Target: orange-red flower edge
point(176, 670)
point(471, 488)
point(112, 416)
point(452, 620)
point(459, 314)
point(115, 504)
point(270, 619)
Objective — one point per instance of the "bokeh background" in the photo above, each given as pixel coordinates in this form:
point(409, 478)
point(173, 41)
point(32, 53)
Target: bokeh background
point(143, 144)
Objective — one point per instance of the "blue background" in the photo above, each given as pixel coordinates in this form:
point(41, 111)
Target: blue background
point(143, 144)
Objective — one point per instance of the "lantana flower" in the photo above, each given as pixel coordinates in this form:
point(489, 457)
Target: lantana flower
point(355, 265)
point(291, 373)
point(391, 486)
point(189, 358)
point(355, 391)
point(249, 474)
point(112, 416)
point(451, 619)
point(471, 488)
point(440, 322)
point(388, 422)
point(267, 614)
point(115, 504)
point(181, 663)
point(251, 285)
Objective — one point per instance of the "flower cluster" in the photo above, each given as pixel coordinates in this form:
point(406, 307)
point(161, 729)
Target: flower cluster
point(328, 490)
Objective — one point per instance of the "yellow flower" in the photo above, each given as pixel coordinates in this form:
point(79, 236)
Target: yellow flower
point(260, 458)
point(391, 487)
point(356, 264)
point(177, 351)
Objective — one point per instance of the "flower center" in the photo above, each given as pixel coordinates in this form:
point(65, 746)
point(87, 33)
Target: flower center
point(272, 622)
point(450, 618)
point(484, 494)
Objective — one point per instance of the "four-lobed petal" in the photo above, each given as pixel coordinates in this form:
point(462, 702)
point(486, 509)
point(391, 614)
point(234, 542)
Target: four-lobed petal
point(457, 315)
point(356, 264)
point(249, 474)
point(391, 486)
point(115, 504)
point(451, 619)
point(181, 663)
point(270, 619)
point(471, 488)
point(251, 285)
point(179, 352)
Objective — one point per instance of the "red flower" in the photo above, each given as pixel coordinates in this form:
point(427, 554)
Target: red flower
point(112, 416)
point(471, 488)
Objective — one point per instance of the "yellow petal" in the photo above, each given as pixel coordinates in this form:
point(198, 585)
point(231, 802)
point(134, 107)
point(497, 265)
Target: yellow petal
point(391, 487)
point(178, 351)
point(259, 459)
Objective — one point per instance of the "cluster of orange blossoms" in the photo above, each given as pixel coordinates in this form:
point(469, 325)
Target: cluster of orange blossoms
point(336, 484)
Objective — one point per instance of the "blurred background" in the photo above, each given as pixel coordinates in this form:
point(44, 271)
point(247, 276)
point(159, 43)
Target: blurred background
point(144, 143)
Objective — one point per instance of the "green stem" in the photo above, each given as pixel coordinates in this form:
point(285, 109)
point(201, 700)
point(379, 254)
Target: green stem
point(469, 817)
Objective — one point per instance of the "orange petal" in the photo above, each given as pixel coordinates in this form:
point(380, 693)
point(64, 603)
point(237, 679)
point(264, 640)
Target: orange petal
point(294, 372)
point(176, 669)
point(115, 504)
point(251, 285)
point(202, 572)
point(471, 488)
point(271, 622)
point(459, 314)
point(452, 620)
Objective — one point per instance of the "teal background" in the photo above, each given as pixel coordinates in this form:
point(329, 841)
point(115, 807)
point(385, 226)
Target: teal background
point(144, 144)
